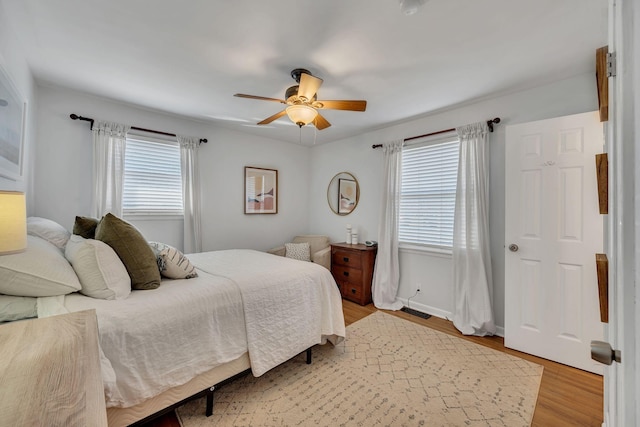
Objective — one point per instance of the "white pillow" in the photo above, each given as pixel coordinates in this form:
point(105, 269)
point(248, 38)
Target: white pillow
point(40, 271)
point(17, 308)
point(101, 272)
point(48, 230)
point(172, 263)
point(299, 251)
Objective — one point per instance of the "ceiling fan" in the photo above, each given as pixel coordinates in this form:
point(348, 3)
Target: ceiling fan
point(303, 104)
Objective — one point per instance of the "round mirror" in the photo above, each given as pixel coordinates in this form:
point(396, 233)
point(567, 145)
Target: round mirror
point(343, 193)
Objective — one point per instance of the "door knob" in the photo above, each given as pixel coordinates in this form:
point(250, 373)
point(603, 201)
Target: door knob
point(513, 247)
point(602, 352)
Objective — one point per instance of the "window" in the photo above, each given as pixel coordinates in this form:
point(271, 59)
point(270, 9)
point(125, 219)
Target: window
point(152, 177)
point(428, 193)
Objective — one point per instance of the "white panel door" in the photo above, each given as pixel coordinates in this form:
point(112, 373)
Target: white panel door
point(552, 218)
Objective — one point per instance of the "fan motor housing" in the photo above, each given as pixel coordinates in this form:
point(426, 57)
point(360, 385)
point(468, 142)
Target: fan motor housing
point(296, 73)
point(291, 96)
point(292, 91)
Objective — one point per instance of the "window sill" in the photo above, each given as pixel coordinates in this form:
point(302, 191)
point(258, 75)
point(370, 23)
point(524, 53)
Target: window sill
point(425, 250)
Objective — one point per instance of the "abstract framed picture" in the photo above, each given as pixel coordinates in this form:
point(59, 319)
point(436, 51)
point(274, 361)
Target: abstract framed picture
point(260, 190)
point(347, 193)
point(12, 118)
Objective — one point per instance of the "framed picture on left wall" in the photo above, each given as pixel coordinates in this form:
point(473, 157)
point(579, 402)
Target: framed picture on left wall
point(260, 190)
point(12, 124)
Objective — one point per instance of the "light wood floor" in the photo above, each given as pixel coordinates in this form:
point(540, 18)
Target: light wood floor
point(567, 397)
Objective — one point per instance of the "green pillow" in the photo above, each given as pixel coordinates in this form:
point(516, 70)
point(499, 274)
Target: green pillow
point(85, 227)
point(133, 250)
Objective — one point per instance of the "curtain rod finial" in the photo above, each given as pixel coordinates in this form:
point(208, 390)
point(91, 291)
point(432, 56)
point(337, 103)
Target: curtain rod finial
point(490, 123)
point(77, 117)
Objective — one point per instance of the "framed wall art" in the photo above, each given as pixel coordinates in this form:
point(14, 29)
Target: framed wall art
point(12, 118)
point(346, 195)
point(260, 190)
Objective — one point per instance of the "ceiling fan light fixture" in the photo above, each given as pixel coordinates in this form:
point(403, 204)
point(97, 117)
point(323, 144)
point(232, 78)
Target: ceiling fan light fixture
point(301, 114)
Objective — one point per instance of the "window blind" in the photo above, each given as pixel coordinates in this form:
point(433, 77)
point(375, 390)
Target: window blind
point(428, 193)
point(152, 178)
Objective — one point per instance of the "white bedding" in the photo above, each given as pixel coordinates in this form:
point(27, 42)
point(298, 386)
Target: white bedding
point(284, 299)
point(157, 339)
point(243, 300)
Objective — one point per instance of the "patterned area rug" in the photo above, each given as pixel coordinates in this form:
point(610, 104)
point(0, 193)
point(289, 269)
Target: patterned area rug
point(388, 372)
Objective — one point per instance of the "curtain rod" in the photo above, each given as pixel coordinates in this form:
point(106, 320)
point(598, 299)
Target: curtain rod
point(490, 124)
point(87, 119)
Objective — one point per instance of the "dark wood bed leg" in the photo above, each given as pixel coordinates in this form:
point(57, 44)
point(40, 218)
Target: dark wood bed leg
point(209, 410)
point(309, 356)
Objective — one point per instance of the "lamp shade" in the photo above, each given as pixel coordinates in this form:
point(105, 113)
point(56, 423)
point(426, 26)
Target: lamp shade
point(301, 114)
point(13, 222)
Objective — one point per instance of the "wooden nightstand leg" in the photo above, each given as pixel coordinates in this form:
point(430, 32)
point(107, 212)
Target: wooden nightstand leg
point(209, 410)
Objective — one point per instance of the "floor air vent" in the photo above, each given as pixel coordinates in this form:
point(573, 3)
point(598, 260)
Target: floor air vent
point(415, 312)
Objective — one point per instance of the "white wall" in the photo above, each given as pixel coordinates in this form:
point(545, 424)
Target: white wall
point(63, 163)
point(14, 64)
point(433, 272)
point(62, 177)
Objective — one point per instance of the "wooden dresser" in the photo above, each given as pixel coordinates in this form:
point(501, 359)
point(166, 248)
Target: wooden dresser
point(352, 267)
point(50, 372)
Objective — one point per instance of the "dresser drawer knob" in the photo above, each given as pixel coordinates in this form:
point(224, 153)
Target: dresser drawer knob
point(353, 290)
point(346, 273)
point(345, 259)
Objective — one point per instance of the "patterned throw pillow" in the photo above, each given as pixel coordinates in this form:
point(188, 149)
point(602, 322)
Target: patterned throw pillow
point(172, 263)
point(299, 251)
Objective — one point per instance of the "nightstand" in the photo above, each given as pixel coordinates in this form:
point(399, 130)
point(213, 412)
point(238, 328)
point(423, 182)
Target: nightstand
point(352, 268)
point(51, 372)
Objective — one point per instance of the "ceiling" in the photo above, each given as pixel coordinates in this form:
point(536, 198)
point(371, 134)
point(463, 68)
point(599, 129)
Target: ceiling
point(190, 59)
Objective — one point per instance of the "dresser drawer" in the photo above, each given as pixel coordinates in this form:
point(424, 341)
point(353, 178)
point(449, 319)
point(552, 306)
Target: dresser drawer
point(351, 292)
point(345, 258)
point(345, 275)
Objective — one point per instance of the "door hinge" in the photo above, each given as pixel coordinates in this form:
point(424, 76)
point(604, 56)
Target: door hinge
point(611, 64)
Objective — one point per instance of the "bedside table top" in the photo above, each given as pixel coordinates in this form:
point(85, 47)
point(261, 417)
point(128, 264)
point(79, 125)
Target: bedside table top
point(359, 246)
point(50, 366)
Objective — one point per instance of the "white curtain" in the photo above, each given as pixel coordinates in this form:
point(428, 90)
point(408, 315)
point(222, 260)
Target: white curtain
point(473, 284)
point(190, 193)
point(108, 167)
point(386, 275)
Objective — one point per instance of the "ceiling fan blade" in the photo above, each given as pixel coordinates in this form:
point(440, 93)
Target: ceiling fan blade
point(262, 98)
point(320, 122)
point(350, 105)
point(272, 118)
point(308, 86)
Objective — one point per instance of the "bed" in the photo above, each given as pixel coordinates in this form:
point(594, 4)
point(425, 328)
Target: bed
point(245, 310)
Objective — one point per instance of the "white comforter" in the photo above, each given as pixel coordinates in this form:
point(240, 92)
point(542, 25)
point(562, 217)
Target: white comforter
point(157, 339)
point(243, 300)
point(289, 305)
